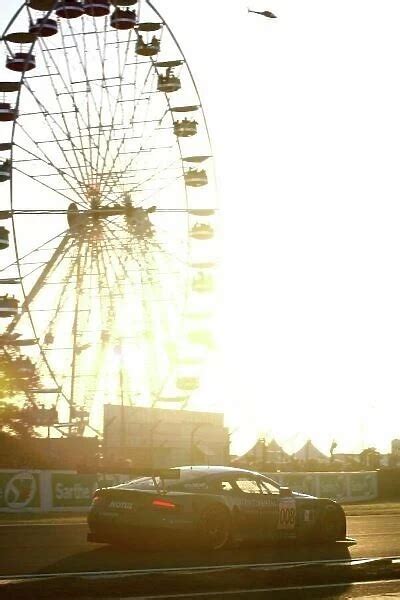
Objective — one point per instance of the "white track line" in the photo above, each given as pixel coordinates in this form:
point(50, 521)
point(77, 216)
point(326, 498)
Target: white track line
point(27, 524)
point(386, 515)
point(194, 569)
point(293, 588)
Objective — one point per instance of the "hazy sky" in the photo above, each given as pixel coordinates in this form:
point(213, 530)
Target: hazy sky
point(304, 118)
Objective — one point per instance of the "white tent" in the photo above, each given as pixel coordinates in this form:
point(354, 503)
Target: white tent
point(310, 452)
point(264, 453)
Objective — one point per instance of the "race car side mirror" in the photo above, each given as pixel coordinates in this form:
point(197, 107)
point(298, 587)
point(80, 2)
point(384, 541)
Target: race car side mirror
point(285, 492)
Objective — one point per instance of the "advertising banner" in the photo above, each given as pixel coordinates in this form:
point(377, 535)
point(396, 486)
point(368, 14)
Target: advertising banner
point(333, 485)
point(71, 490)
point(305, 483)
point(19, 490)
point(363, 486)
point(343, 487)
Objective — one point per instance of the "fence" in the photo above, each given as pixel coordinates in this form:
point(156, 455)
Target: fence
point(43, 491)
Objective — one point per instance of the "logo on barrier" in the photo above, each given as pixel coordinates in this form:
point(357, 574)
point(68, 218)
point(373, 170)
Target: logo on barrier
point(20, 490)
point(333, 485)
point(363, 485)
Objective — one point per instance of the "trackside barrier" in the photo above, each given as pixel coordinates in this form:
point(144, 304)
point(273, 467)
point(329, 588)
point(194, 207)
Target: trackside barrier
point(44, 491)
point(344, 487)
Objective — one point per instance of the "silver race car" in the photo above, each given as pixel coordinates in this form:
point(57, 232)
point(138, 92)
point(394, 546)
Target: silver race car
point(212, 507)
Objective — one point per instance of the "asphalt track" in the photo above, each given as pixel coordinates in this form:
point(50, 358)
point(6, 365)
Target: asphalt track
point(34, 548)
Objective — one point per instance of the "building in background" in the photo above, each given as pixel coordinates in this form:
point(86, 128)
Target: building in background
point(81, 453)
point(395, 454)
point(156, 437)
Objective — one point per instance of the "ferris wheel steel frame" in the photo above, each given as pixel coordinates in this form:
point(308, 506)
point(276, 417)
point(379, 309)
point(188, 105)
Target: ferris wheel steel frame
point(85, 210)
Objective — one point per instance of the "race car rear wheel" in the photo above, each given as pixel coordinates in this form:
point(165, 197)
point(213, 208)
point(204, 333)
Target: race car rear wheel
point(332, 525)
point(215, 528)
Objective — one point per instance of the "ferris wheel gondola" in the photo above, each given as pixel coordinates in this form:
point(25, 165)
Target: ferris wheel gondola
point(108, 207)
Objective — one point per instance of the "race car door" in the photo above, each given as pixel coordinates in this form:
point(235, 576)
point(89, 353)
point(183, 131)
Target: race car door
point(256, 507)
point(281, 518)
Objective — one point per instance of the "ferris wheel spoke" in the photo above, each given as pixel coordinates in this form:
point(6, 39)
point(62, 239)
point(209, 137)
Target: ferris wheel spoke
point(168, 326)
point(81, 124)
point(90, 97)
point(145, 257)
point(79, 119)
point(64, 131)
point(136, 101)
point(57, 257)
point(156, 245)
point(54, 317)
point(113, 111)
point(20, 259)
point(62, 298)
point(151, 296)
point(156, 191)
point(46, 160)
point(106, 185)
point(77, 152)
point(132, 162)
point(81, 264)
point(88, 94)
point(25, 309)
point(157, 174)
point(132, 187)
point(155, 334)
point(108, 309)
point(89, 378)
point(104, 88)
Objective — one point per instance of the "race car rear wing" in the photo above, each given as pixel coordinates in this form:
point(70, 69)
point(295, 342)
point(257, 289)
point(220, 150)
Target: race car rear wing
point(161, 473)
point(158, 476)
point(134, 472)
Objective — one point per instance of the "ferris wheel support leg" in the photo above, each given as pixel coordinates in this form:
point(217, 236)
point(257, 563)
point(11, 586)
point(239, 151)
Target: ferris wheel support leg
point(39, 283)
point(80, 270)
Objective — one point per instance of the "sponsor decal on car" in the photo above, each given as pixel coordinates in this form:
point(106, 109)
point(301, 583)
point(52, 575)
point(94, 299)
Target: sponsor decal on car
point(287, 514)
point(119, 504)
point(308, 515)
point(193, 487)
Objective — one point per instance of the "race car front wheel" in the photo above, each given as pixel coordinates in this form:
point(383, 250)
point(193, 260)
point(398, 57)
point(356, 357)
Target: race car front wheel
point(215, 528)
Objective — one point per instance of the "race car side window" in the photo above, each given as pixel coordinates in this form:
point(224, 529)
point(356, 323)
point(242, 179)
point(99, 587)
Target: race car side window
point(248, 486)
point(218, 485)
point(269, 487)
point(226, 486)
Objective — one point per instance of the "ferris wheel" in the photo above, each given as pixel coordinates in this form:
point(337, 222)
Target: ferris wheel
point(107, 241)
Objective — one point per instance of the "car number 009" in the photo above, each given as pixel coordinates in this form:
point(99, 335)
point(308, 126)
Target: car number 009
point(287, 515)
